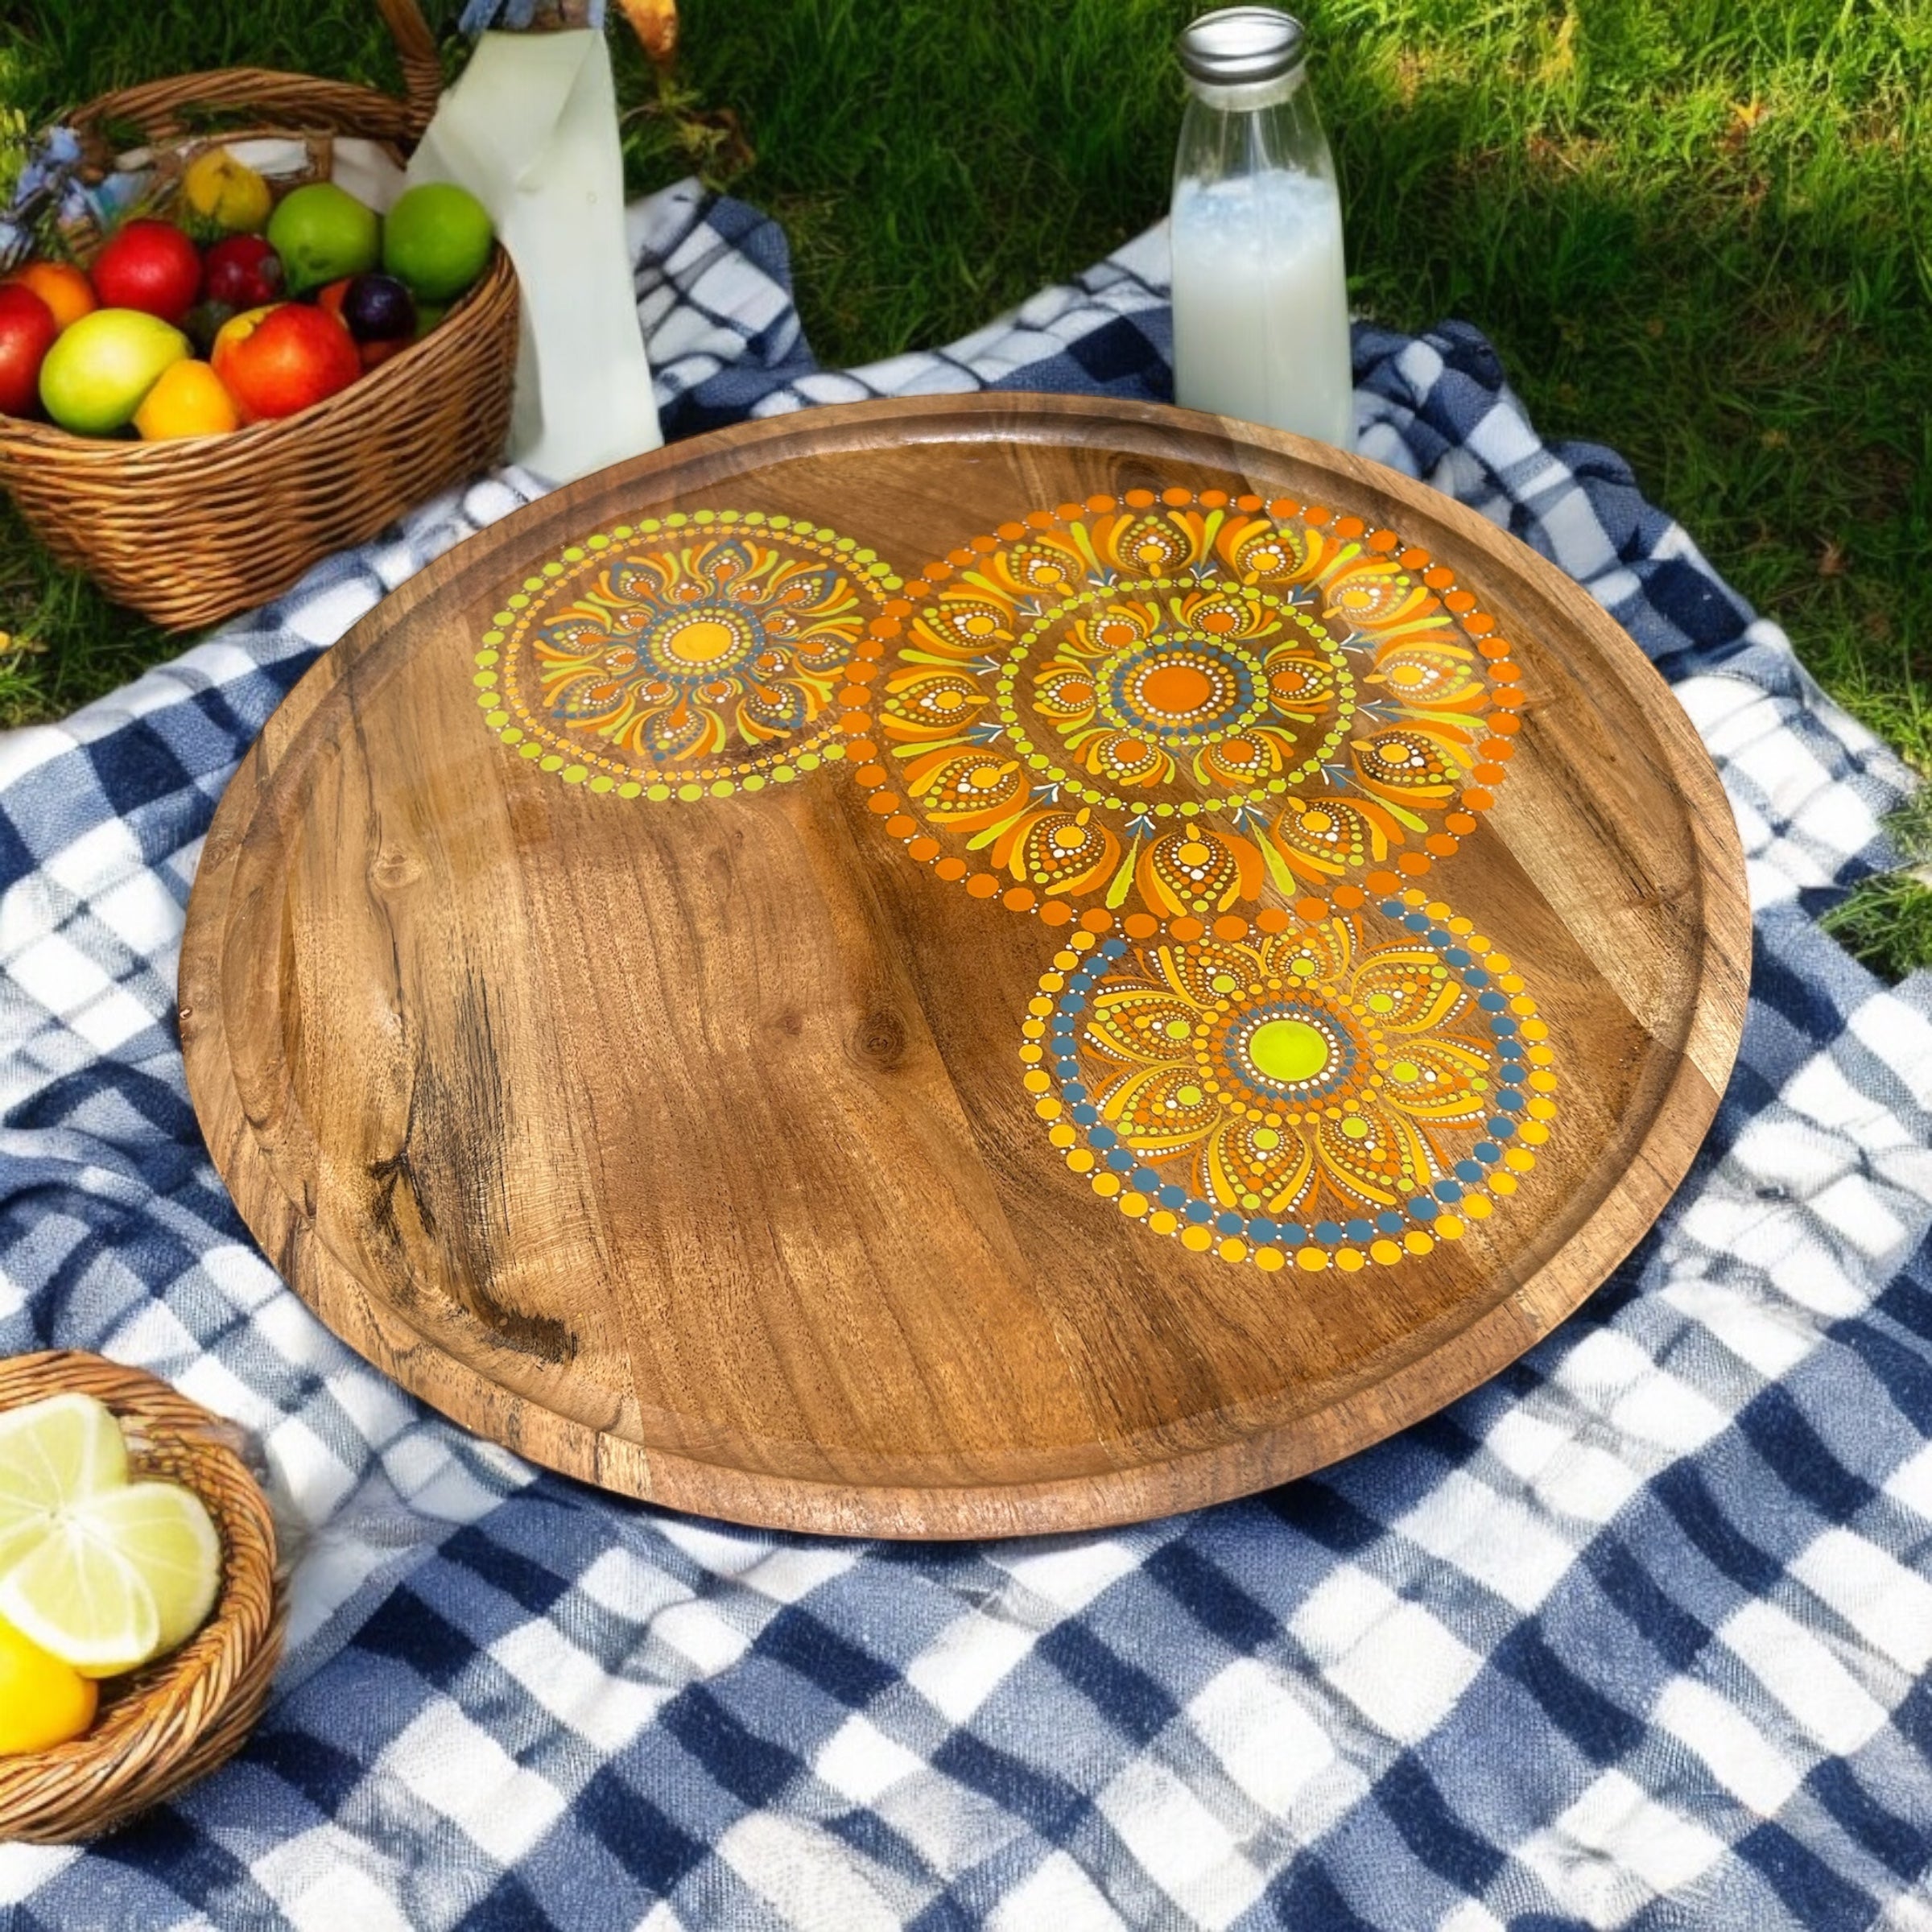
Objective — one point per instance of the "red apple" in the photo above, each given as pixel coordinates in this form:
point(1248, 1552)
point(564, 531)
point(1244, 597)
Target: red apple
point(243, 272)
point(28, 328)
point(151, 267)
point(277, 360)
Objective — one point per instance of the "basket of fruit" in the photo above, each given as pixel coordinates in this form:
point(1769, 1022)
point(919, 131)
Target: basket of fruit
point(255, 346)
point(140, 1617)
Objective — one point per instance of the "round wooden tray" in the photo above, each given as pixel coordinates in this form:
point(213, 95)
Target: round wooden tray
point(970, 967)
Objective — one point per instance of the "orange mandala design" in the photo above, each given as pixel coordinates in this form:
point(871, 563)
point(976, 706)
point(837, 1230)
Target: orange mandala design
point(692, 655)
point(1169, 704)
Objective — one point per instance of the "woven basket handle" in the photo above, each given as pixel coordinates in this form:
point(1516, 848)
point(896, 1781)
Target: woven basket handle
point(297, 101)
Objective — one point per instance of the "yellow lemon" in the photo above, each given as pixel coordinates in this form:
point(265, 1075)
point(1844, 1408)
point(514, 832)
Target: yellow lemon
point(42, 1701)
point(226, 194)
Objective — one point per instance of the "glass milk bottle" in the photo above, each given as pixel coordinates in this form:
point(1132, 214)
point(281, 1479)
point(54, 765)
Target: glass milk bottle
point(1261, 307)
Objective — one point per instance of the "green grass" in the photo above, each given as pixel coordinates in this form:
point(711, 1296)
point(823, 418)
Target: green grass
point(1699, 230)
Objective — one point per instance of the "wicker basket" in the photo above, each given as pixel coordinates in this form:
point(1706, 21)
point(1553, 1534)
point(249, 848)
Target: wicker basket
point(161, 1728)
point(190, 531)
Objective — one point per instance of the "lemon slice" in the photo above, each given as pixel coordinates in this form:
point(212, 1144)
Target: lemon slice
point(164, 1533)
point(79, 1599)
point(101, 1573)
point(53, 1453)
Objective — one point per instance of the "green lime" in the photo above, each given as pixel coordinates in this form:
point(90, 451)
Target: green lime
point(437, 240)
point(322, 233)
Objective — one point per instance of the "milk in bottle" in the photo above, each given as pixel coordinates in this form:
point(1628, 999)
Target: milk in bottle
point(1261, 308)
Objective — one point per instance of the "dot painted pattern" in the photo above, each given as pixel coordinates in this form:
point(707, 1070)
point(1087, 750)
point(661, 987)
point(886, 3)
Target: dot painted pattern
point(690, 656)
point(1341, 1093)
point(1216, 739)
point(1178, 703)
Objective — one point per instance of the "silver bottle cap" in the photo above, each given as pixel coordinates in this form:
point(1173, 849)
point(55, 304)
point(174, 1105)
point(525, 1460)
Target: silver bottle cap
point(1235, 45)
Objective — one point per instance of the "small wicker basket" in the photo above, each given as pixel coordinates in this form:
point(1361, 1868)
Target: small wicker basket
point(163, 1727)
point(190, 531)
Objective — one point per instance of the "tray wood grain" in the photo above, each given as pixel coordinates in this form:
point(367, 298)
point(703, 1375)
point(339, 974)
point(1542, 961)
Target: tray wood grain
point(683, 1144)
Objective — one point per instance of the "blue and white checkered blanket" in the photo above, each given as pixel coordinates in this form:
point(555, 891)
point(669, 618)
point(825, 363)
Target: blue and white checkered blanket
point(1634, 1636)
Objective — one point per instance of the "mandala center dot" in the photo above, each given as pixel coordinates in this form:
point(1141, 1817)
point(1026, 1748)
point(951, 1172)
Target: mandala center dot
point(703, 642)
point(1177, 689)
point(1288, 1049)
point(1068, 836)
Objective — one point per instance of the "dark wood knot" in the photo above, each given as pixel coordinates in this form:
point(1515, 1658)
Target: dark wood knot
point(880, 1040)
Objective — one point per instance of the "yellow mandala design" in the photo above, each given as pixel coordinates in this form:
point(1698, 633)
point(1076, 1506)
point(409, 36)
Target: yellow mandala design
point(696, 655)
point(1350, 1091)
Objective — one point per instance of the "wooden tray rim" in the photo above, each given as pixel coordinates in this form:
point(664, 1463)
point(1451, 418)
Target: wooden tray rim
point(1136, 1491)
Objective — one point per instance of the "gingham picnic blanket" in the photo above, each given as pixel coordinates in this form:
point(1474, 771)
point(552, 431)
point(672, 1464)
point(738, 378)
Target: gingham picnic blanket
point(1632, 1636)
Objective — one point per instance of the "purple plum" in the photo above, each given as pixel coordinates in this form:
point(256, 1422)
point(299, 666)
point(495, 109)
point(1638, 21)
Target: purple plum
point(378, 308)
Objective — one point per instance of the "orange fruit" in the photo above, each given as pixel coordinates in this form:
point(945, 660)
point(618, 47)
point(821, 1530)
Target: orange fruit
point(187, 399)
point(62, 286)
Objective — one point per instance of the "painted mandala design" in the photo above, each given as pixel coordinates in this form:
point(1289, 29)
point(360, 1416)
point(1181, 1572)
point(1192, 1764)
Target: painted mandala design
point(691, 655)
point(1174, 703)
point(1211, 739)
point(1349, 1091)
